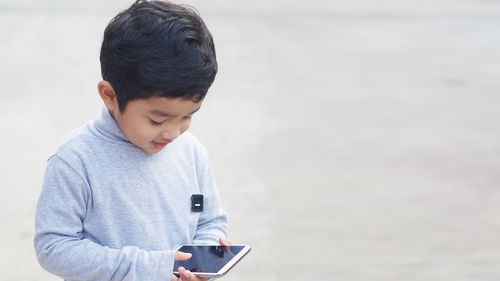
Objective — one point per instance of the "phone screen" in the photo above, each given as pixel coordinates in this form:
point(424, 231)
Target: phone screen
point(208, 259)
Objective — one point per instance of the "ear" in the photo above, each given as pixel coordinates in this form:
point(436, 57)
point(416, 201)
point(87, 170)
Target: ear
point(108, 95)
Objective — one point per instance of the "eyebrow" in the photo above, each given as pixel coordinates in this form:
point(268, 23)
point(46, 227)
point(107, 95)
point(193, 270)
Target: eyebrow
point(161, 113)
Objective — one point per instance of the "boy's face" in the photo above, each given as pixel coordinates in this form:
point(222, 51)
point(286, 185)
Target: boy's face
point(153, 123)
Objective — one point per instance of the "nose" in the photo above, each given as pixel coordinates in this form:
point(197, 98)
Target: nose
point(171, 132)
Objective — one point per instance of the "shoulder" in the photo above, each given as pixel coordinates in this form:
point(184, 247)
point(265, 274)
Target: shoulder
point(75, 139)
point(77, 146)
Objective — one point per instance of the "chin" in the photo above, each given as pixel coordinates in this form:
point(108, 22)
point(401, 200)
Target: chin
point(151, 151)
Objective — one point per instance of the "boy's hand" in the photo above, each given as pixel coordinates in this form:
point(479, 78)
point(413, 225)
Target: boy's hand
point(186, 275)
point(224, 243)
point(181, 256)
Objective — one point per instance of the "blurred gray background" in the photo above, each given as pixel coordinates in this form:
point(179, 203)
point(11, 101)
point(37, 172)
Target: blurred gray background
point(351, 140)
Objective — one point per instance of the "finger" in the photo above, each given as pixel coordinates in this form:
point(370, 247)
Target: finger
point(185, 274)
point(224, 242)
point(181, 256)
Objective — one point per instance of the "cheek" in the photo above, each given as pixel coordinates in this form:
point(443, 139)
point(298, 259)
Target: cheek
point(139, 133)
point(185, 126)
point(148, 133)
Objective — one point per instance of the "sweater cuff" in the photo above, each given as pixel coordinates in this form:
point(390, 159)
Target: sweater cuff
point(160, 268)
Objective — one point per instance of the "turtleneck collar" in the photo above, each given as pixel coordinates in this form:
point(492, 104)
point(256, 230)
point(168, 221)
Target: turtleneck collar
point(107, 127)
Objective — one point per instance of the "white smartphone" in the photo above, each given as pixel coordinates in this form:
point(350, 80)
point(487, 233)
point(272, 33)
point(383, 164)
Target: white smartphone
point(210, 261)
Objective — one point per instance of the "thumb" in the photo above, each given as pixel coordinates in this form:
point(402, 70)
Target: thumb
point(181, 256)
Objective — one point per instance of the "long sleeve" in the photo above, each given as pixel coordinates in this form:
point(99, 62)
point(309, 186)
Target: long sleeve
point(62, 246)
point(212, 222)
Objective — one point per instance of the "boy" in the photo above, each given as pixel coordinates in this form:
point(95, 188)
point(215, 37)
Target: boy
point(117, 195)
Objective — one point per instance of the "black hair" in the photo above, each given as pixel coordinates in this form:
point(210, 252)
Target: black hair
point(157, 48)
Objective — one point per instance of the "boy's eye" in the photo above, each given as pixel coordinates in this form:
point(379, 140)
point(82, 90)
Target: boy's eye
point(187, 117)
point(154, 123)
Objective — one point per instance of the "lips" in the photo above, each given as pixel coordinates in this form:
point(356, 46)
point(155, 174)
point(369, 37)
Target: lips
point(160, 144)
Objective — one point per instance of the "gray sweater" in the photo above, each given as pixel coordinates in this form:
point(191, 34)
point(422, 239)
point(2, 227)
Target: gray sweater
point(110, 211)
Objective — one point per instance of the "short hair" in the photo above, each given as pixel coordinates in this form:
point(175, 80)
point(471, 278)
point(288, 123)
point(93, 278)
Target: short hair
point(157, 48)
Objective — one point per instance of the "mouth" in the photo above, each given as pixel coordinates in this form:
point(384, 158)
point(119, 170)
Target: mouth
point(160, 144)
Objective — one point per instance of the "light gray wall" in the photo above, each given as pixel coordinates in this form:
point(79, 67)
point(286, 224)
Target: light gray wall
point(351, 140)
